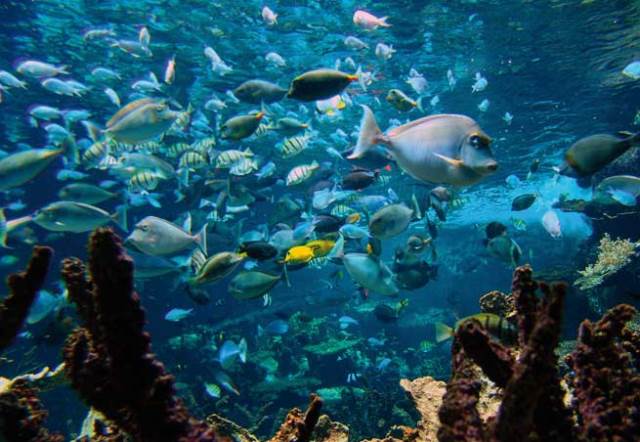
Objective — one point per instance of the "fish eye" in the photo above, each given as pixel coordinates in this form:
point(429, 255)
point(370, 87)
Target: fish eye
point(144, 227)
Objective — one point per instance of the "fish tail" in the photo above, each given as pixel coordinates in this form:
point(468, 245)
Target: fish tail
point(443, 332)
point(62, 70)
point(383, 22)
point(120, 217)
point(201, 238)
point(419, 104)
point(94, 132)
point(338, 249)
point(369, 135)
point(3, 230)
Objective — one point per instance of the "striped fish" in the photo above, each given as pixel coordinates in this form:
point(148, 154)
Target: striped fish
point(145, 180)
point(300, 174)
point(226, 158)
point(342, 211)
point(150, 147)
point(177, 149)
point(96, 153)
point(262, 130)
point(291, 147)
point(204, 145)
point(192, 160)
point(494, 324)
point(243, 166)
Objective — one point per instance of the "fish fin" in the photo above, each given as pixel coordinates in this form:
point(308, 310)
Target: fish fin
point(242, 346)
point(260, 331)
point(383, 22)
point(634, 139)
point(201, 238)
point(419, 104)
point(3, 230)
point(443, 332)
point(120, 217)
point(338, 249)
point(93, 131)
point(186, 225)
point(451, 161)
point(62, 70)
point(369, 134)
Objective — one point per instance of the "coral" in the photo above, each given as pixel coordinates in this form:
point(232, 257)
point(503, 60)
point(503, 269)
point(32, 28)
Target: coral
point(613, 255)
point(497, 303)
point(22, 415)
point(427, 395)
point(298, 426)
point(225, 429)
point(109, 359)
point(606, 384)
point(23, 288)
point(328, 431)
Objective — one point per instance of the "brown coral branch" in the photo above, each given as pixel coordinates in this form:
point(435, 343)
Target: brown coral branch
point(298, 426)
point(23, 288)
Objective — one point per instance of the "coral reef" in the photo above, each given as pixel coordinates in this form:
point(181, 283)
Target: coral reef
point(497, 303)
point(23, 288)
point(606, 363)
point(109, 359)
point(298, 426)
point(21, 414)
point(613, 255)
point(427, 395)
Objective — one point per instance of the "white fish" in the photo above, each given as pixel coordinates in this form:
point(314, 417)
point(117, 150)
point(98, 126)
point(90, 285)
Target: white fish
point(217, 64)
point(632, 70)
point(60, 87)
point(215, 104)
point(113, 96)
point(480, 84)
point(39, 69)
point(156, 236)
point(551, 224)
point(384, 52)
point(270, 18)
point(7, 79)
point(105, 74)
point(451, 79)
point(170, 70)
point(46, 113)
point(177, 314)
point(507, 118)
point(144, 37)
point(417, 81)
point(355, 43)
point(275, 59)
point(484, 105)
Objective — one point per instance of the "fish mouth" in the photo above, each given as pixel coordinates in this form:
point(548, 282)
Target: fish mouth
point(488, 168)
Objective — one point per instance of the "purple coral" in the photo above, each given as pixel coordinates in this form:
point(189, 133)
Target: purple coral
point(109, 359)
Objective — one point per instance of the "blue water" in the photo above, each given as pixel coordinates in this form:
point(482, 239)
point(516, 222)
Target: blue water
point(555, 66)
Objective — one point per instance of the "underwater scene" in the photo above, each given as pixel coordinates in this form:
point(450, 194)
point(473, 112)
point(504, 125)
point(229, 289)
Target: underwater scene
point(325, 220)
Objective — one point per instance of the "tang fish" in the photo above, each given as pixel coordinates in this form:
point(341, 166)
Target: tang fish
point(446, 148)
point(71, 216)
point(156, 236)
point(140, 121)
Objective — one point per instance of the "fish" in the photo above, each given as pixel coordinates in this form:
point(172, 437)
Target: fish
point(346, 321)
point(270, 18)
point(384, 52)
point(359, 179)
point(229, 350)
point(505, 249)
point(140, 121)
point(300, 174)
point(225, 382)
point(523, 202)
point(291, 147)
point(590, 154)
point(178, 314)
point(216, 268)
point(390, 221)
point(212, 390)
point(72, 216)
point(368, 21)
point(443, 149)
point(240, 126)
point(275, 59)
point(401, 101)
point(494, 324)
point(624, 189)
point(274, 328)
point(9, 80)
point(21, 167)
point(319, 84)
point(252, 284)
point(85, 193)
point(40, 69)
point(551, 224)
point(156, 236)
point(299, 255)
point(259, 91)
point(355, 43)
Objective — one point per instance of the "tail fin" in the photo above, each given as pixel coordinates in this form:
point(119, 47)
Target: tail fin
point(120, 217)
point(242, 346)
point(94, 132)
point(369, 133)
point(443, 332)
point(3, 229)
point(383, 22)
point(419, 104)
point(201, 238)
point(338, 249)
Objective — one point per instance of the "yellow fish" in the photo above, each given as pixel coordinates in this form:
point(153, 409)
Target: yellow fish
point(320, 247)
point(299, 255)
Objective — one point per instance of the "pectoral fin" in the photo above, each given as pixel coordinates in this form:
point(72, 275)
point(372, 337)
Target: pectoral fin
point(451, 161)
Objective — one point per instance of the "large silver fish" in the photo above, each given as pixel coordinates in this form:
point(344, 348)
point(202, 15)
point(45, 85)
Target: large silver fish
point(140, 121)
point(446, 148)
point(71, 216)
point(370, 272)
point(18, 168)
point(156, 236)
